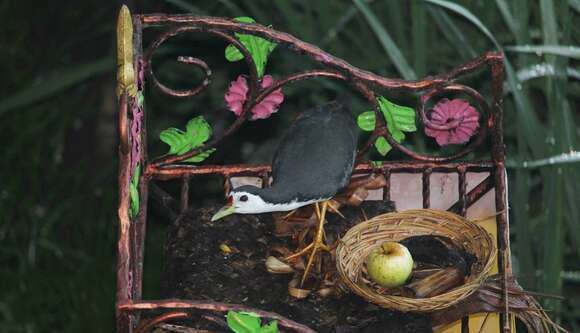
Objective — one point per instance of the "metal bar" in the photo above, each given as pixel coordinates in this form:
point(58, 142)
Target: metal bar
point(498, 157)
point(146, 325)
point(503, 240)
point(475, 194)
point(265, 176)
point(179, 170)
point(462, 203)
point(166, 202)
point(124, 282)
point(184, 200)
point(387, 188)
point(426, 183)
point(227, 185)
point(139, 225)
point(462, 188)
point(176, 304)
point(315, 52)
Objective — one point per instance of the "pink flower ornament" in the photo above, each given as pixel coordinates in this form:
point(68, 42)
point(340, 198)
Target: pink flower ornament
point(452, 122)
point(238, 93)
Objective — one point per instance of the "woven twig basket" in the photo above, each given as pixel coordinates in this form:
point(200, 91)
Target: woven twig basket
point(358, 242)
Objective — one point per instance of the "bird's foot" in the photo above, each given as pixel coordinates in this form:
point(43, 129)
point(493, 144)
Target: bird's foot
point(316, 245)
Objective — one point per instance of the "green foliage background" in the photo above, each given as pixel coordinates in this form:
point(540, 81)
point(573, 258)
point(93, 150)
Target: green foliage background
point(58, 190)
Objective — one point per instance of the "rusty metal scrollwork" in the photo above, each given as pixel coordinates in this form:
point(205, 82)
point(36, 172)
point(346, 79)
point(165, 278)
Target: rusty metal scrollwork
point(367, 84)
point(169, 310)
point(363, 82)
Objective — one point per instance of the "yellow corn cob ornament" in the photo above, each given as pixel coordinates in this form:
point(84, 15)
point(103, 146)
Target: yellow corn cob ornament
point(125, 70)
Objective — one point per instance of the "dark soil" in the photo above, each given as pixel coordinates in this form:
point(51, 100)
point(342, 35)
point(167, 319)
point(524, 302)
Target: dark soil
point(196, 269)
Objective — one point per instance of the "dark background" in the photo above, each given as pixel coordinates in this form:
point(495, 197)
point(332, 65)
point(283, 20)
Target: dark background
point(58, 187)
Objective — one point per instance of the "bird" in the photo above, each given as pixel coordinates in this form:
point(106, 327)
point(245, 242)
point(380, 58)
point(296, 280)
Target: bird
point(314, 161)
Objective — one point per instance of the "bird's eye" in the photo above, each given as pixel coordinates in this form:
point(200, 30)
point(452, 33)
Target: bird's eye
point(244, 198)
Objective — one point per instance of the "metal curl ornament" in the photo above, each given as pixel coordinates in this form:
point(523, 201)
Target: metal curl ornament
point(253, 84)
point(361, 80)
point(200, 64)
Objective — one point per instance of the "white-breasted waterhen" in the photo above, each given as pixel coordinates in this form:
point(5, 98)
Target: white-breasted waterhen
point(312, 163)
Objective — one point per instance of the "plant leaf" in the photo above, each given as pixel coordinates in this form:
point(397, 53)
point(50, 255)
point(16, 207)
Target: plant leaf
point(258, 47)
point(249, 313)
point(399, 119)
point(201, 156)
point(377, 164)
point(271, 327)
point(140, 98)
point(134, 192)
point(242, 322)
point(383, 146)
point(233, 54)
point(197, 131)
point(366, 121)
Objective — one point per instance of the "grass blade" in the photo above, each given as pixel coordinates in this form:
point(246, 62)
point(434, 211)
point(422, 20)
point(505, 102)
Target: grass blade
point(396, 22)
point(565, 158)
point(419, 33)
point(339, 25)
point(522, 15)
point(575, 4)
point(462, 11)
point(560, 50)
point(507, 16)
point(530, 124)
point(543, 70)
point(452, 33)
point(524, 243)
point(57, 83)
point(386, 41)
point(553, 240)
point(549, 26)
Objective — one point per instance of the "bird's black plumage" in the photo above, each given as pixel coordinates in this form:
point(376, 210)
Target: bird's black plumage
point(315, 158)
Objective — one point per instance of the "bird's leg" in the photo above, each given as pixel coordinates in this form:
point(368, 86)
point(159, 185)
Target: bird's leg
point(300, 253)
point(289, 214)
point(333, 206)
point(317, 242)
point(301, 237)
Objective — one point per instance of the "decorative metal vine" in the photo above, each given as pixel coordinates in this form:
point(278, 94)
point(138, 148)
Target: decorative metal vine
point(136, 170)
point(365, 83)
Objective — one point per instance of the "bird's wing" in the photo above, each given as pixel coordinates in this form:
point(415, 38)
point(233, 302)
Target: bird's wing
point(317, 154)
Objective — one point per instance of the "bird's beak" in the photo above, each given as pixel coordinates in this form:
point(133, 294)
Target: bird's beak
point(224, 211)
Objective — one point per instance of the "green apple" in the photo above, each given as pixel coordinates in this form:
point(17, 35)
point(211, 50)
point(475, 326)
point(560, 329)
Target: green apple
point(390, 264)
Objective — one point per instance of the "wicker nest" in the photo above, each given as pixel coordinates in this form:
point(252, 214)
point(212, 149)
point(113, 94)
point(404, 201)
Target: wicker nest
point(358, 242)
